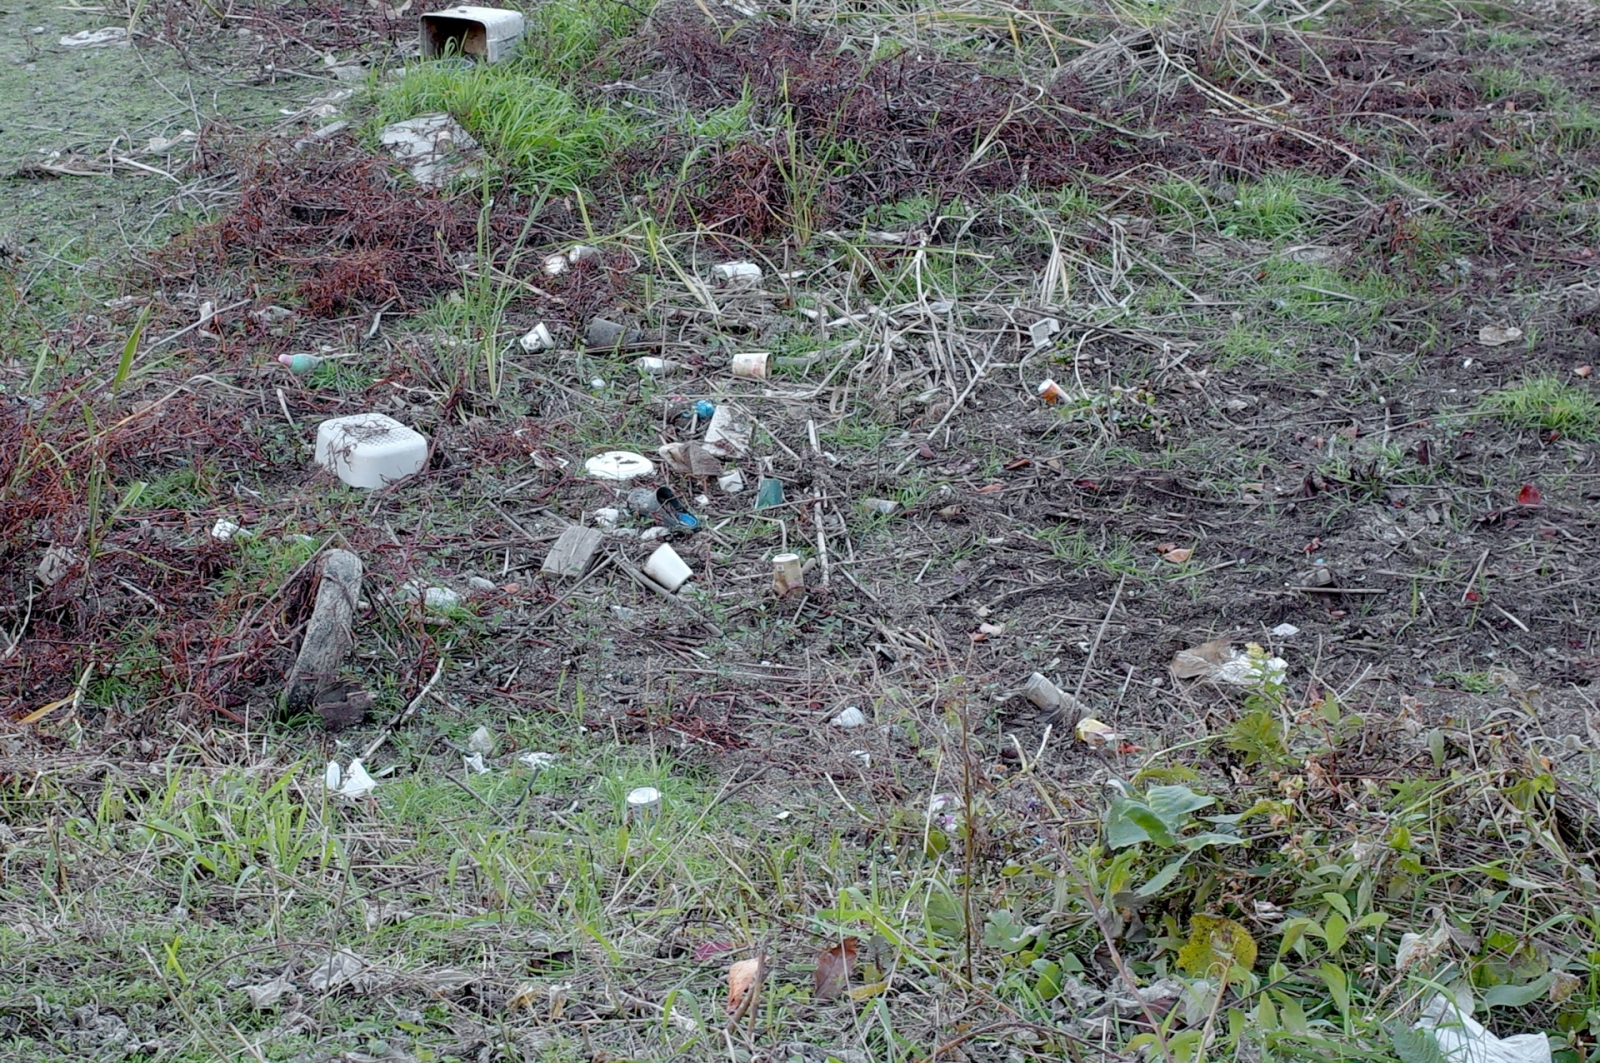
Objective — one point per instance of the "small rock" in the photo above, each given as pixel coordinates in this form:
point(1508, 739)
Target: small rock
point(440, 598)
point(478, 583)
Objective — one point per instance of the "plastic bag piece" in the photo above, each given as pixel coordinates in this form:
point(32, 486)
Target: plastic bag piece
point(1462, 1040)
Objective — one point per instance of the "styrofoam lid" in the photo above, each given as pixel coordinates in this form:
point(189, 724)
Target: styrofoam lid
point(644, 797)
point(619, 465)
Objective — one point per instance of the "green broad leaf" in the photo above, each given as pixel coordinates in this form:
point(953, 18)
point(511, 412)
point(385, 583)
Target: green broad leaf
point(1436, 747)
point(1048, 984)
point(1196, 842)
point(1002, 931)
point(1121, 830)
point(1162, 878)
point(1293, 930)
point(1337, 902)
point(944, 916)
point(1174, 804)
point(1130, 822)
point(1338, 984)
point(1414, 1046)
point(1335, 931)
point(1517, 996)
point(1294, 1015)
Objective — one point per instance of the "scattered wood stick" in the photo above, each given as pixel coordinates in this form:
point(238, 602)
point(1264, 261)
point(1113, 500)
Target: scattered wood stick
point(405, 713)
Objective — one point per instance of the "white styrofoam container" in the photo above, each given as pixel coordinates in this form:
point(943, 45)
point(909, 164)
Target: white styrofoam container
point(369, 449)
point(488, 34)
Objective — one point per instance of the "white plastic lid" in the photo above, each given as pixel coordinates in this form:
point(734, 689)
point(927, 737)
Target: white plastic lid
point(619, 465)
point(645, 797)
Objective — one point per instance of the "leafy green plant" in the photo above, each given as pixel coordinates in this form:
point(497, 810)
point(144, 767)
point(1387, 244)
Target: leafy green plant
point(1163, 818)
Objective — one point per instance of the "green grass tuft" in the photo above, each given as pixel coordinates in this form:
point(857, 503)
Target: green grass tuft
point(1549, 404)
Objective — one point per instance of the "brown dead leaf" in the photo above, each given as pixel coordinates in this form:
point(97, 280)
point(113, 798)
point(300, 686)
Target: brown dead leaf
point(834, 967)
point(742, 980)
point(1202, 660)
point(1175, 554)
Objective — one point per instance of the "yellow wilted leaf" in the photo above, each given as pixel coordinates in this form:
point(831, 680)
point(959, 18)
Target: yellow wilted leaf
point(1216, 944)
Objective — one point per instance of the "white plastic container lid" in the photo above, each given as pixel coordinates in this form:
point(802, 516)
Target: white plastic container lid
point(619, 465)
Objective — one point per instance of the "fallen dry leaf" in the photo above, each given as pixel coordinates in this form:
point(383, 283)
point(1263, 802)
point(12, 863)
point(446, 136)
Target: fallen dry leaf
point(1583, 370)
point(1202, 660)
point(834, 967)
point(707, 949)
point(742, 979)
point(1498, 335)
point(1174, 553)
point(1529, 496)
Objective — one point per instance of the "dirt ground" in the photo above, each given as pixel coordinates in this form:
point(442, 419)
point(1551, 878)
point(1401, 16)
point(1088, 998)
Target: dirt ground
point(1261, 272)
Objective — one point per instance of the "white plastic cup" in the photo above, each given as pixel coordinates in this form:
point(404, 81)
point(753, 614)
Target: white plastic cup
point(537, 339)
point(643, 803)
point(667, 568)
point(651, 365)
point(1061, 706)
point(751, 365)
point(1042, 692)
